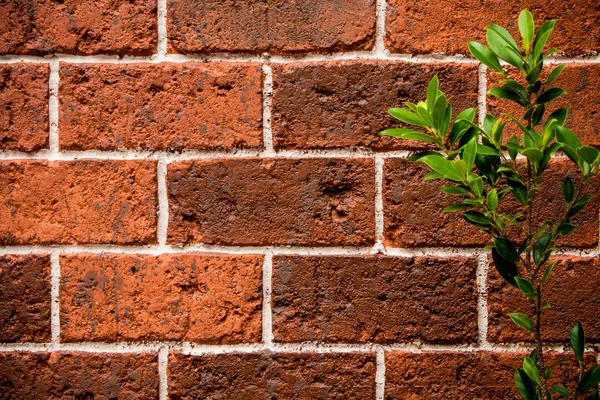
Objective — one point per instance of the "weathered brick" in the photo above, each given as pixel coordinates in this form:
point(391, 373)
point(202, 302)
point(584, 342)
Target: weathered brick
point(374, 299)
point(73, 375)
point(24, 101)
point(582, 99)
point(160, 107)
point(85, 201)
point(572, 292)
point(344, 104)
point(277, 26)
point(78, 27)
point(25, 298)
point(322, 202)
point(414, 217)
point(192, 297)
point(424, 26)
point(269, 376)
point(457, 376)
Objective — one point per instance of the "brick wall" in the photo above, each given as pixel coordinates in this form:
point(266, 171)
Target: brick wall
point(194, 202)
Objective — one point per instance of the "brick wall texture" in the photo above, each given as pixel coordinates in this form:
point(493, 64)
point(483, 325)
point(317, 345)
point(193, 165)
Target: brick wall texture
point(195, 203)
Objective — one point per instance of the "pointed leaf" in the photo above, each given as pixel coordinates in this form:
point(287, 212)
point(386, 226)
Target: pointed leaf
point(524, 385)
point(456, 190)
point(407, 116)
point(506, 249)
point(539, 249)
point(432, 92)
point(409, 134)
point(457, 207)
point(469, 152)
point(591, 378)
point(492, 200)
point(522, 320)
point(526, 28)
point(578, 341)
point(507, 270)
point(550, 95)
point(588, 154)
point(442, 166)
point(531, 370)
point(563, 391)
point(568, 189)
point(526, 287)
point(547, 272)
point(485, 56)
point(554, 74)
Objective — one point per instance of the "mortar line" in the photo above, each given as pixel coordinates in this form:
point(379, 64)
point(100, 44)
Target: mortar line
point(482, 94)
point(162, 47)
point(380, 374)
point(55, 298)
point(380, 10)
point(53, 106)
point(267, 94)
point(267, 312)
point(379, 214)
point(163, 385)
point(162, 222)
point(482, 310)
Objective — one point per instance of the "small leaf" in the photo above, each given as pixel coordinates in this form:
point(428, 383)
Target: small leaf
point(533, 155)
point(578, 341)
point(550, 95)
point(469, 152)
point(524, 385)
point(506, 249)
point(476, 183)
point(522, 320)
point(508, 94)
point(542, 37)
point(588, 154)
point(410, 134)
point(432, 92)
point(456, 190)
point(565, 136)
point(492, 200)
point(531, 370)
point(563, 391)
point(507, 270)
point(547, 272)
point(554, 74)
point(478, 219)
point(539, 249)
point(526, 287)
point(487, 151)
point(457, 207)
point(485, 56)
point(518, 190)
point(568, 189)
point(417, 156)
point(526, 28)
point(501, 42)
point(407, 116)
point(559, 115)
point(538, 114)
point(566, 229)
point(432, 175)
point(579, 205)
point(442, 166)
point(591, 378)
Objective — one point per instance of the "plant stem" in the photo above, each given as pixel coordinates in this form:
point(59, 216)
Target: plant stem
point(537, 312)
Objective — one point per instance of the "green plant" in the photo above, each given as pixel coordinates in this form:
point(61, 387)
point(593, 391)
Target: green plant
point(483, 170)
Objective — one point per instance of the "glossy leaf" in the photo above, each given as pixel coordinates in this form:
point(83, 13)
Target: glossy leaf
point(563, 391)
point(534, 155)
point(578, 341)
point(492, 200)
point(469, 153)
point(588, 154)
point(579, 205)
point(554, 74)
point(478, 219)
point(456, 190)
point(507, 270)
point(507, 93)
point(506, 249)
point(432, 92)
point(442, 166)
point(524, 385)
point(568, 189)
point(539, 249)
point(531, 370)
point(485, 56)
point(409, 134)
point(566, 229)
point(526, 287)
point(522, 320)
point(526, 28)
point(407, 116)
point(457, 207)
point(501, 43)
point(547, 272)
point(541, 38)
point(550, 95)
point(591, 378)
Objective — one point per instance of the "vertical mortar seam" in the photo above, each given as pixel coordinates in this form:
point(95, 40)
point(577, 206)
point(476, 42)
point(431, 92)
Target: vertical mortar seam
point(481, 95)
point(267, 93)
point(380, 11)
point(163, 385)
point(379, 214)
point(380, 373)
point(53, 83)
point(162, 222)
point(162, 46)
point(267, 311)
point(55, 298)
point(482, 308)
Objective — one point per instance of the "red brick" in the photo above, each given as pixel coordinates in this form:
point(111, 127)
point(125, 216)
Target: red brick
point(24, 99)
point(414, 218)
point(320, 202)
point(25, 298)
point(278, 26)
point(85, 201)
point(457, 376)
point(582, 99)
point(344, 104)
point(425, 26)
point(72, 375)
point(572, 292)
point(192, 297)
point(78, 27)
point(272, 376)
point(374, 299)
point(160, 107)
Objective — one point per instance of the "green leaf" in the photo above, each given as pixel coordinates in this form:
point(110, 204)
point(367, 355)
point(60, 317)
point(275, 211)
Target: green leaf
point(476, 183)
point(524, 385)
point(508, 94)
point(478, 219)
point(460, 166)
point(487, 151)
point(410, 134)
point(469, 152)
point(593, 396)
point(539, 249)
point(456, 207)
point(492, 200)
point(588, 154)
point(522, 320)
point(533, 155)
point(579, 205)
point(531, 370)
point(541, 38)
point(550, 95)
point(432, 175)
point(432, 92)
point(526, 287)
point(485, 56)
point(456, 190)
point(563, 391)
point(506, 249)
point(439, 112)
point(507, 270)
point(526, 28)
point(538, 114)
point(513, 147)
point(442, 166)
point(559, 115)
point(565, 136)
point(578, 341)
point(566, 229)
point(547, 272)
point(554, 74)
point(518, 190)
point(407, 116)
point(568, 189)
point(503, 45)
point(417, 156)
point(591, 378)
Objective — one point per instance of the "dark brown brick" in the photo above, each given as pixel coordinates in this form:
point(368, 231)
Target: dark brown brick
point(344, 104)
point(457, 376)
point(277, 26)
point(414, 218)
point(572, 292)
point(85, 201)
point(193, 297)
point(374, 299)
point(25, 298)
point(160, 107)
point(268, 376)
point(72, 375)
point(582, 99)
point(24, 102)
point(320, 202)
point(78, 27)
point(425, 26)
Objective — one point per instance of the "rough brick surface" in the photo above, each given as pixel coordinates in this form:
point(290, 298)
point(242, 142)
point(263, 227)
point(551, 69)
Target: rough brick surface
point(191, 297)
point(582, 99)
point(344, 104)
point(272, 376)
point(456, 376)
point(25, 298)
point(414, 218)
point(71, 375)
point(24, 102)
point(427, 26)
point(572, 293)
point(78, 27)
point(84, 201)
point(165, 106)
point(270, 25)
point(321, 202)
point(374, 299)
